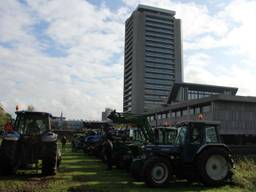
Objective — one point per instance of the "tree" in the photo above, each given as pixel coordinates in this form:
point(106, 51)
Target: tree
point(4, 117)
point(1, 109)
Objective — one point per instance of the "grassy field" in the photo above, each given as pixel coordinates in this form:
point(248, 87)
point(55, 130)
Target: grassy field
point(80, 173)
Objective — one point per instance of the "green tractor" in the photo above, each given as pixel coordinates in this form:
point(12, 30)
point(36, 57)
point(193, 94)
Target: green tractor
point(30, 140)
point(197, 154)
point(125, 150)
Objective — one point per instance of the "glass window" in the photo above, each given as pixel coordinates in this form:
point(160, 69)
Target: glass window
point(164, 116)
point(184, 112)
point(196, 135)
point(206, 109)
point(191, 111)
point(33, 124)
point(211, 135)
point(197, 110)
point(181, 137)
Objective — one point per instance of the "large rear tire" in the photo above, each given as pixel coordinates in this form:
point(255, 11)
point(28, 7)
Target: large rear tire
point(49, 163)
point(157, 172)
point(8, 160)
point(214, 166)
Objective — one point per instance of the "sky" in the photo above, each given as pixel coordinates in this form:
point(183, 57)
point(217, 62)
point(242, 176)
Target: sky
point(67, 56)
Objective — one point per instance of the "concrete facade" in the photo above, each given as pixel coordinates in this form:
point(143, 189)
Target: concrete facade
point(236, 114)
point(105, 114)
point(153, 58)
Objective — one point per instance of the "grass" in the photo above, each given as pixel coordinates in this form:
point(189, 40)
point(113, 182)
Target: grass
point(86, 174)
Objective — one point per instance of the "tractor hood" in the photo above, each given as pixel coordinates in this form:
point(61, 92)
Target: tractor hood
point(166, 149)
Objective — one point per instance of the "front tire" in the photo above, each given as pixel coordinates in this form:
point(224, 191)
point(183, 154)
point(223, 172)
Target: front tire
point(214, 166)
point(135, 170)
point(49, 163)
point(157, 172)
point(8, 161)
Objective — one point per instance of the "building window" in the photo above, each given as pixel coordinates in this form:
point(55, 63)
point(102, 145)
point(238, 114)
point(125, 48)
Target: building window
point(191, 111)
point(197, 110)
point(184, 112)
point(178, 113)
point(206, 109)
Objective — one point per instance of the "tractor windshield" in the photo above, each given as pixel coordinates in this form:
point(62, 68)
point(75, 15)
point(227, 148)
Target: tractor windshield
point(136, 134)
point(32, 124)
point(166, 135)
point(181, 135)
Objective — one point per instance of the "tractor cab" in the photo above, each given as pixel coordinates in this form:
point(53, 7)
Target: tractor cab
point(185, 139)
point(197, 132)
point(32, 123)
point(193, 136)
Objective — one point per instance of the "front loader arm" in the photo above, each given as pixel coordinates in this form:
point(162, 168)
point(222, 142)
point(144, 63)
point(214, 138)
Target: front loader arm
point(140, 121)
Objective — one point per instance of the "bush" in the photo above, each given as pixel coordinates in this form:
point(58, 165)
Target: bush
point(245, 174)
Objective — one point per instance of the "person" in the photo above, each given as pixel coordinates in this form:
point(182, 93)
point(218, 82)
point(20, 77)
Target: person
point(33, 128)
point(108, 146)
point(63, 142)
point(8, 127)
point(196, 135)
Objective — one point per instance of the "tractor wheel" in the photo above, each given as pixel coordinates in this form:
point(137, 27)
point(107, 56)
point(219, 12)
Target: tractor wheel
point(8, 160)
point(135, 170)
point(157, 172)
point(214, 167)
point(49, 162)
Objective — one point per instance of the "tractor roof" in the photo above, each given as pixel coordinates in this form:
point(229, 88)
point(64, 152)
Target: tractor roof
point(186, 122)
point(33, 113)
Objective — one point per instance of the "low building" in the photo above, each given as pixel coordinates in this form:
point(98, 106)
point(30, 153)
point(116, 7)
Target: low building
point(73, 124)
point(104, 116)
point(190, 91)
point(237, 114)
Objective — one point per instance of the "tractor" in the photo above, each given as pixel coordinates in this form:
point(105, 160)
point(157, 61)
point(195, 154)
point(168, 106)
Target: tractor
point(30, 140)
point(130, 146)
point(197, 154)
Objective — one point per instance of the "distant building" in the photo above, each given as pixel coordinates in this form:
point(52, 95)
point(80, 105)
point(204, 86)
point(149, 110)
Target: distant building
point(153, 58)
point(73, 124)
point(58, 122)
point(104, 115)
point(190, 91)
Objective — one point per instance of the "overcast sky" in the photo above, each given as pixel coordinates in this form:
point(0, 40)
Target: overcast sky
point(67, 55)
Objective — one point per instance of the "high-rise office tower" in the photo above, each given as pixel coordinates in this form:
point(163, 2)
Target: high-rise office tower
point(153, 58)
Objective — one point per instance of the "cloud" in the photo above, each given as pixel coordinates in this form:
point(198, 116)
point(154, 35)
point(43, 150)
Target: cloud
point(62, 55)
point(80, 83)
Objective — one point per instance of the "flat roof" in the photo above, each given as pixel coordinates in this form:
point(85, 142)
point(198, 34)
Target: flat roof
point(150, 8)
point(202, 101)
point(186, 122)
point(34, 113)
point(199, 87)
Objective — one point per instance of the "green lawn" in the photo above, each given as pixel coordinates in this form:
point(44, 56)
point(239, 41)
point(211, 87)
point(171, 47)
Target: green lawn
point(87, 174)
